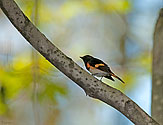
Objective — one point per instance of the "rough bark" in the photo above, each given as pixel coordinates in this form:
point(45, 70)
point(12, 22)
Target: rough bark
point(157, 76)
point(92, 86)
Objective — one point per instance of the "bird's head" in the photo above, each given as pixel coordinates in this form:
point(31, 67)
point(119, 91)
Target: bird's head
point(86, 58)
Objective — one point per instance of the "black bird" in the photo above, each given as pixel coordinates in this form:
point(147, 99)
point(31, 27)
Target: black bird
point(98, 68)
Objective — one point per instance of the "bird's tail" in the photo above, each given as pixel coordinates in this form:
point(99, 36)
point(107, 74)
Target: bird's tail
point(112, 74)
point(109, 77)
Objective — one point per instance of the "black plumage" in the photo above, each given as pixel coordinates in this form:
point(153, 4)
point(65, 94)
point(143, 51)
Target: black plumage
point(98, 68)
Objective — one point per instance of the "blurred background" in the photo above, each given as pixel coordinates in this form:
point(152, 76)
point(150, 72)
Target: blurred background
point(120, 32)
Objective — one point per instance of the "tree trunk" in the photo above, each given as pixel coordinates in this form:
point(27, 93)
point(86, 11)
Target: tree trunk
point(157, 73)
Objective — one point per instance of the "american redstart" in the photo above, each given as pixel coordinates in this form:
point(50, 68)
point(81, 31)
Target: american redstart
point(98, 68)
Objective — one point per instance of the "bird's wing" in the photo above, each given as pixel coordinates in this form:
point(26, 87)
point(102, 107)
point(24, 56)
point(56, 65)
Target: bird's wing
point(104, 68)
point(100, 65)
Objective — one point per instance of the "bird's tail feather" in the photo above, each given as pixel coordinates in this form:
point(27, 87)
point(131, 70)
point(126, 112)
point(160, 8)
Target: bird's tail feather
point(117, 77)
point(109, 77)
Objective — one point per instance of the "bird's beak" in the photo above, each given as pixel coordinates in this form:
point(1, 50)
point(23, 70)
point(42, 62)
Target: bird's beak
point(81, 57)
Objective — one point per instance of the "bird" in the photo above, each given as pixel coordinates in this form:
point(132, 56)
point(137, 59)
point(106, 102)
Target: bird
point(98, 68)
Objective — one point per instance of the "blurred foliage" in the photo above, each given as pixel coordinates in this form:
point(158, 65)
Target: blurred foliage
point(71, 8)
point(19, 77)
point(137, 67)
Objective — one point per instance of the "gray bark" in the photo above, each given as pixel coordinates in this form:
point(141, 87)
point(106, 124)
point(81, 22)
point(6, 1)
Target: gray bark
point(92, 86)
point(157, 76)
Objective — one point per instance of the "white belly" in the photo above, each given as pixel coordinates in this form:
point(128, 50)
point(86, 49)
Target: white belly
point(98, 72)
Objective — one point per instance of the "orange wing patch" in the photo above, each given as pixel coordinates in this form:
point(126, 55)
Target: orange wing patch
point(97, 65)
point(89, 66)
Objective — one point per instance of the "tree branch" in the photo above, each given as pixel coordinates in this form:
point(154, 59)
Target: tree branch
point(92, 86)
